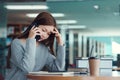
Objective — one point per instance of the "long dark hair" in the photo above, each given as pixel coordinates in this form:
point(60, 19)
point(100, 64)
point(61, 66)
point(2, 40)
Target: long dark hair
point(44, 18)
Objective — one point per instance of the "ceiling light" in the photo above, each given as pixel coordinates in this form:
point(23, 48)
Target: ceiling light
point(32, 15)
point(26, 7)
point(96, 6)
point(73, 27)
point(58, 14)
point(116, 13)
point(77, 27)
point(65, 0)
point(66, 21)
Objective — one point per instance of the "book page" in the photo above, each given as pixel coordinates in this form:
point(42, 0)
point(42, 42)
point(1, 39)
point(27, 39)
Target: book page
point(51, 73)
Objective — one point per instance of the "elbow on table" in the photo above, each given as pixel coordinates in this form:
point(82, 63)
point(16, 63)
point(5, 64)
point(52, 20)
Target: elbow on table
point(62, 67)
point(28, 69)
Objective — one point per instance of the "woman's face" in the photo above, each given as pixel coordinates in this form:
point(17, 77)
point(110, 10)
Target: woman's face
point(45, 31)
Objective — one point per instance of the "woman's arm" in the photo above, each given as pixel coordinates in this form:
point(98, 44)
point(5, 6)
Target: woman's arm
point(57, 63)
point(23, 59)
point(58, 37)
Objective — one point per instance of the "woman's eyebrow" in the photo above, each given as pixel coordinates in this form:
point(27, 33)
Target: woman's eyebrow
point(47, 30)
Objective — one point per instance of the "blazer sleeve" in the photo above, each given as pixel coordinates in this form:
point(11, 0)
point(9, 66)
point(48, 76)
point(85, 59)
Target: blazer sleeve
point(57, 63)
point(23, 59)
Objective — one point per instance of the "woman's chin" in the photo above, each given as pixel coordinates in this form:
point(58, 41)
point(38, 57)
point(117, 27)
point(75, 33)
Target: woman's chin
point(41, 40)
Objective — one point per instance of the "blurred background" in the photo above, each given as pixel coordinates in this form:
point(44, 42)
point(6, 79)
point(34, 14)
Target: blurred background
point(82, 24)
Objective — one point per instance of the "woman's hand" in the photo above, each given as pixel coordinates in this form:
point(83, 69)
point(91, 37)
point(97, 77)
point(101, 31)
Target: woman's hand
point(58, 36)
point(33, 32)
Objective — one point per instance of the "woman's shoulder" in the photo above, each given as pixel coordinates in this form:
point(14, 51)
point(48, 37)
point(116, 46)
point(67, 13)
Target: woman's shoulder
point(18, 41)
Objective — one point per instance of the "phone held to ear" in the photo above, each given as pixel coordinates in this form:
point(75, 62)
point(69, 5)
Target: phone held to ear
point(37, 37)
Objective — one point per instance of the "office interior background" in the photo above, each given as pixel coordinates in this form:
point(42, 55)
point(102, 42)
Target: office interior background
point(83, 24)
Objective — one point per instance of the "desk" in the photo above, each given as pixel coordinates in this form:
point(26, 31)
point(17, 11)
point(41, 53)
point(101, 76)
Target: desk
point(59, 77)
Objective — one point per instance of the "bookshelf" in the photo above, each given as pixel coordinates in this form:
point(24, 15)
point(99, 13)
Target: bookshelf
point(14, 30)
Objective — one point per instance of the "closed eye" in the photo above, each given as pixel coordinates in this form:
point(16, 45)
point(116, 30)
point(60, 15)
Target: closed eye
point(43, 30)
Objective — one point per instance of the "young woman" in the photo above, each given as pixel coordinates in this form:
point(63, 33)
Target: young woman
point(34, 50)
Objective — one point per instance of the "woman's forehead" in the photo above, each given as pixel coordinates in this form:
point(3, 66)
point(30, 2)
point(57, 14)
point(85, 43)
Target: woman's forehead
point(48, 27)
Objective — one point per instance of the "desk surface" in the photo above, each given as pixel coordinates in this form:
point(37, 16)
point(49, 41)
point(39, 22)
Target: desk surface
point(60, 77)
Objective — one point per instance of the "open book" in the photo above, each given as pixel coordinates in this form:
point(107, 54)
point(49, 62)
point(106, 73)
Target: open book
point(52, 73)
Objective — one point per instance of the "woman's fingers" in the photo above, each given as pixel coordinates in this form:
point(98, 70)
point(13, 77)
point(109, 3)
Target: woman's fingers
point(34, 30)
point(55, 31)
point(58, 36)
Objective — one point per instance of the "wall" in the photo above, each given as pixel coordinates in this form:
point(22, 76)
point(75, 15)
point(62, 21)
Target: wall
point(3, 33)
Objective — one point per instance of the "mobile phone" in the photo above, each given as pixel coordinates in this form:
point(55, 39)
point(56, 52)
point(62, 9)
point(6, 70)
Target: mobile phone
point(37, 37)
